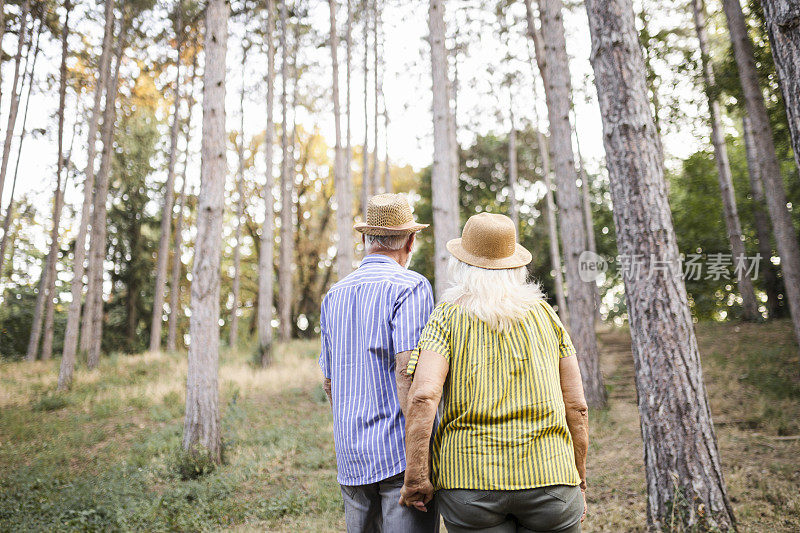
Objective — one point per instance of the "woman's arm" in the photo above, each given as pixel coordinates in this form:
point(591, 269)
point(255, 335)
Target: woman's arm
point(423, 399)
point(576, 410)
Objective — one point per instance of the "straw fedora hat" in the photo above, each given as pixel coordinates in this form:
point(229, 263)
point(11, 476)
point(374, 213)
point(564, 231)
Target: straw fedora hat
point(389, 214)
point(489, 241)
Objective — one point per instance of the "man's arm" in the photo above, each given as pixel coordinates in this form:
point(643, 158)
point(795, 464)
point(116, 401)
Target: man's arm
point(403, 378)
point(327, 386)
point(423, 399)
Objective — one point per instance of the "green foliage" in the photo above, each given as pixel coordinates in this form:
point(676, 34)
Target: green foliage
point(50, 402)
point(192, 464)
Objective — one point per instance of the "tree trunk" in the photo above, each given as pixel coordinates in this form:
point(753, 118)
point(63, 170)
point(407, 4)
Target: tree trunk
point(513, 210)
point(544, 152)
point(68, 357)
point(573, 234)
point(682, 465)
point(61, 165)
point(761, 223)
point(366, 189)
point(445, 220)
point(732, 223)
point(93, 312)
point(785, 235)
point(349, 140)
point(375, 161)
point(15, 92)
point(2, 33)
point(175, 307)
point(237, 249)
point(287, 187)
point(783, 27)
point(169, 194)
point(387, 175)
point(265, 256)
point(455, 160)
point(586, 206)
point(201, 430)
point(344, 222)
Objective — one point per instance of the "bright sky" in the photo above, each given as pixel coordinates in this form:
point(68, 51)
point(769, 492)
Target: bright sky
point(482, 101)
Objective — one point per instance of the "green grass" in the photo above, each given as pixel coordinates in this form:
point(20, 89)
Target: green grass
point(106, 455)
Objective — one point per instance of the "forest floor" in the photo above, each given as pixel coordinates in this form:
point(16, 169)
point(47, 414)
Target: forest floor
point(103, 456)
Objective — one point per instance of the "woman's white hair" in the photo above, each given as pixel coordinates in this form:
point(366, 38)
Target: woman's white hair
point(500, 298)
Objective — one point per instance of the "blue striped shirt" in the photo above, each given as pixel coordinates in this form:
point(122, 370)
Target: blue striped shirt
point(366, 319)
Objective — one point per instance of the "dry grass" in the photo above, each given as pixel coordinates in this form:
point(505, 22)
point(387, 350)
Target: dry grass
point(99, 457)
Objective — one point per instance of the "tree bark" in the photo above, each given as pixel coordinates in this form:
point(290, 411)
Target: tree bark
point(169, 194)
point(287, 188)
point(366, 183)
point(573, 234)
point(774, 191)
point(61, 165)
point(513, 210)
point(265, 256)
point(349, 138)
point(344, 222)
point(15, 92)
point(783, 27)
point(375, 161)
point(732, 223)
point(445, 220)
point(2, 33)
point(237, 249)
point(201, 430)
point(544, 152)
point(93, 310)
point(682, 465)
point(68, 356)
point(761, 223)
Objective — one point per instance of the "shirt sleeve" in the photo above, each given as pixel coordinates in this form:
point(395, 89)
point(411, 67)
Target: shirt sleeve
point(565, 347)
point(325, 349)
point(411, 313)
point(435, 338)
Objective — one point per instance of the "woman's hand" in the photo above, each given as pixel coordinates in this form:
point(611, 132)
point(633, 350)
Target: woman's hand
point(417, 495)
point(583, 516)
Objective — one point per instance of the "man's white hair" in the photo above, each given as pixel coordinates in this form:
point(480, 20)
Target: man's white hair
point(386, 242)
point(500, 298)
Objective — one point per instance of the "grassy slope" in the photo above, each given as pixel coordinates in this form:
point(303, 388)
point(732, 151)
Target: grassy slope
point(102, 456)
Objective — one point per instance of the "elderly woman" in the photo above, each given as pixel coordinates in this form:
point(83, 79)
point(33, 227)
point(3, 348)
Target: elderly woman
point(509, 451)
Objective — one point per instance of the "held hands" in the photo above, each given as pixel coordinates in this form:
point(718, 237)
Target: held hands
point(583, 516)
point(417, 495)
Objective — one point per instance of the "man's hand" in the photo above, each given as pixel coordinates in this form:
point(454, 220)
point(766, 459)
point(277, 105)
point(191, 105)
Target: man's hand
point(583, 516)
point(417, 495)
point(327, 386)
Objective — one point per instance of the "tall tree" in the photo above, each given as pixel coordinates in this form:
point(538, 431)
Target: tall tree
point(344, 252)
point(366, 189)
point(573, 234)
point(544, 152)
point(761, 222)
point(68, 357)
point(512, 166)
point(237, 247)
point(376, 186)
point(15, 92)
point(169, 191)
point(201, 430)
point(732, 223)
point(349, 138)
point(92, 330)
point(682, 465)
point(445, 219)
point(772, 181)
point(783, 27)
point(2, 33)
point(265, 257)
point(287, 188)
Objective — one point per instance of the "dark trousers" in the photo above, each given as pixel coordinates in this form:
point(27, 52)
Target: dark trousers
point(375, 507)
point(557, 508)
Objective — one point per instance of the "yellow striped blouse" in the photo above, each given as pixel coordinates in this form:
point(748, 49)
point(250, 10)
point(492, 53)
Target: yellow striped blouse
point(502, 423)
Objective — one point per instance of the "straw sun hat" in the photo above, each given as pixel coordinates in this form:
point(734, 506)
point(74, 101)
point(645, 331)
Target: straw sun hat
point(389, 214)
point(489, 241)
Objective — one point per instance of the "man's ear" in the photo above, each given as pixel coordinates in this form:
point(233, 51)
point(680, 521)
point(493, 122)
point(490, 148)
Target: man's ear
point(364, 240)
point(410, 242)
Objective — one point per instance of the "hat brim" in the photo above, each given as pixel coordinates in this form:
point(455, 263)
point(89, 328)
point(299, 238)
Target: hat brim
point(405, 229)
point(519, 258)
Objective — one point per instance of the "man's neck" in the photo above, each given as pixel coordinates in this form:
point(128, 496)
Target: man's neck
point(398, 256)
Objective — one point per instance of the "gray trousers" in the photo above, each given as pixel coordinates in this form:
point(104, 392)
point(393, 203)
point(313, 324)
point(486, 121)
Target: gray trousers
point(557, 508)
point(375, 507)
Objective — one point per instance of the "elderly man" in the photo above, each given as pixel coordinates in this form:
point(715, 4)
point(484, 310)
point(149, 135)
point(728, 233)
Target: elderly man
point(370, 322)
